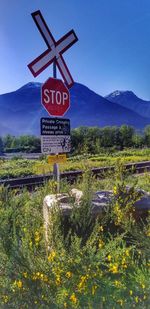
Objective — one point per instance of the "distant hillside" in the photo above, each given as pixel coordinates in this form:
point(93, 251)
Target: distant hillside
point(130, 100)
point(21, 110)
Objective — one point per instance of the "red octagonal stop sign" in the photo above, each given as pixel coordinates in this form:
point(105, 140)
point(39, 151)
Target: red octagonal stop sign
point(55, 97)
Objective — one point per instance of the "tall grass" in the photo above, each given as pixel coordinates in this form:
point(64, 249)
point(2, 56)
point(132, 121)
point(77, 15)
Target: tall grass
point(94, 263)
point(18, 167)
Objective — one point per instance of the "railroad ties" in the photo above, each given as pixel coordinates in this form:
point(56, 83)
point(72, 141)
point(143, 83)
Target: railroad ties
point(33, 181)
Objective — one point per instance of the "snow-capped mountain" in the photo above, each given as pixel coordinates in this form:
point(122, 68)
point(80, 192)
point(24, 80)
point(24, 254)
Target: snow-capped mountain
point(21, 110)
point(130, 100)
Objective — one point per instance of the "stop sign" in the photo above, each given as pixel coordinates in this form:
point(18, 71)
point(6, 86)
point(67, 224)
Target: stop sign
point(55, 97)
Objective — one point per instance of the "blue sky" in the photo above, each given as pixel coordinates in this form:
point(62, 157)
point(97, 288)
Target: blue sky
point(113, 51)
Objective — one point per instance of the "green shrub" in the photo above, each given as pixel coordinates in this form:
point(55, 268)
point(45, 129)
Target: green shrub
point(92, 265)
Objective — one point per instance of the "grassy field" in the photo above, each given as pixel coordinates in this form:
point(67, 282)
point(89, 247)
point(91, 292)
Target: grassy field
point(22, 167)
point(95, 264)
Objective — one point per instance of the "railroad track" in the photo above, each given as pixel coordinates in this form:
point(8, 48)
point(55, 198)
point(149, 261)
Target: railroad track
point(38, 180)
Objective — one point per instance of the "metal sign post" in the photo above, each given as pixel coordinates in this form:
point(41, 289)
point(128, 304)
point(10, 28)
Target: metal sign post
point(56, 170)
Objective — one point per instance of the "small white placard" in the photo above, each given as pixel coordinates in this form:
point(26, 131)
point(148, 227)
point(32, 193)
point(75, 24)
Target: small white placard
point(55, 144)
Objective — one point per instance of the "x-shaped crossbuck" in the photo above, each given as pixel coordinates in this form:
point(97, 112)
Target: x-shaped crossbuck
point(54, 51)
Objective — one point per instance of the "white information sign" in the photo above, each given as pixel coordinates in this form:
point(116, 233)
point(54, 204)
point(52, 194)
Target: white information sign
point(55, 144)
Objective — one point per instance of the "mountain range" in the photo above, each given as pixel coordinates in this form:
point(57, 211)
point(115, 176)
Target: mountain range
point(21, 110)
point(130, 100)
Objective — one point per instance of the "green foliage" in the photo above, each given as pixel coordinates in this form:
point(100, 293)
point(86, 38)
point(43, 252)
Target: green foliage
point(19, 167)
point(93, 139)
point(127, 133)
point(86, 140)
point(147, 136)
point(24, 143)
point(16, 167)
point(89, 264)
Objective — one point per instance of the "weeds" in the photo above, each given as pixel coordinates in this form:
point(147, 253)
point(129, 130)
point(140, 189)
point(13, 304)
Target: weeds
point(95, 263)
point(22, 167)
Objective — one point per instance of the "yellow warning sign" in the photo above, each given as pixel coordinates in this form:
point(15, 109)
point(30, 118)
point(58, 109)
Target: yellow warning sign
point(59, 158)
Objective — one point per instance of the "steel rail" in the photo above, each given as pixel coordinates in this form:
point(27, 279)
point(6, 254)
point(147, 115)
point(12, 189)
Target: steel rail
point(71, 176)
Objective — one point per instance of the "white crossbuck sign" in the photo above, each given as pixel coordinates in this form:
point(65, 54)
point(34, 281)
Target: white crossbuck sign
point(54, 51)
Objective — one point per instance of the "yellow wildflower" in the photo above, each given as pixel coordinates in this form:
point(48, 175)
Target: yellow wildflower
point(37, 237)
point(131, 292)
point(34, 277)
point(123, 260)
point(39, 276)
point(25, 274)
point(51, 256)
point(5, 299)
point(136, 299)
point(109, 257)
point(148, 232)
point(73, 298)
point(18, 283)
point(83, 278)
point(94, 287)
point(101, 228)
point(124, 265)
point(113, 268)
point(120, 301)
point(42, 276)
point(81, 284)
point(117, 283)
point(127, 252)
point(58, 280)
point(115, 190)
point(68, 274)
point(45, 279)
point(101, 243)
